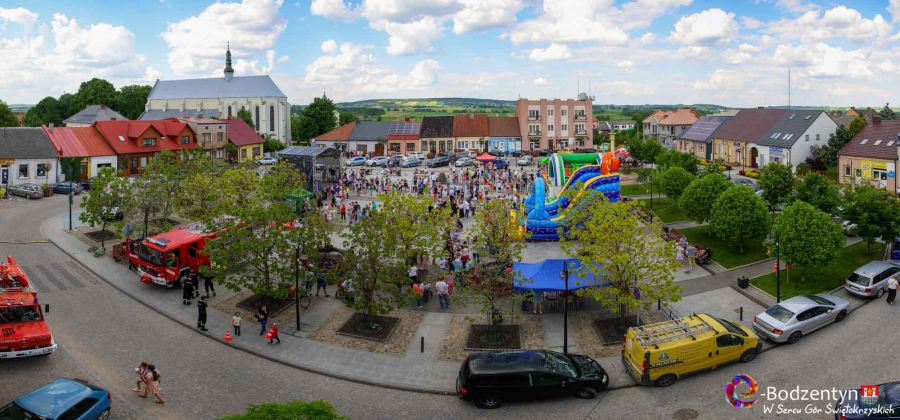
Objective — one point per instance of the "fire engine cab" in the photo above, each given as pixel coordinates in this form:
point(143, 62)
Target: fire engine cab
point(23, 331)
point(168, 258)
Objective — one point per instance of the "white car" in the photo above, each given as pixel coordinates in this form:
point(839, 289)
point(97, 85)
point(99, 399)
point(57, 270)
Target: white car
point(524, 160)
point(417, 155)
point(268, 160)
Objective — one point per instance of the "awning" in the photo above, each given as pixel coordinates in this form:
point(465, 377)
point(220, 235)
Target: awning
point(486, 157)
point(544, 276)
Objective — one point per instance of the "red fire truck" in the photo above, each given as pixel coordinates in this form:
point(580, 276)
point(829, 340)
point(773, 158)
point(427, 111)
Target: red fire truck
point(168, 258)
point(23, 331)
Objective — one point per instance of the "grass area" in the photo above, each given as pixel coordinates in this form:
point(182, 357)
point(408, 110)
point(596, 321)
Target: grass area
point(665, 209)
point(635, 189)
point(824, 278)
point(724, 252)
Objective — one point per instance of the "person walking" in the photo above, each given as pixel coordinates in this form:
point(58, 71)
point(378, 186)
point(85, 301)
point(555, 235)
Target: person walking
point(208, 285)
point(443, 290)
point(151, 379)
point(892, 289)
point(141, 371)
point(413, 274)
point(273, 333)
point(262, 315)
point(187, 291)
point(691, 252)
point(538, 300)
point(201, 313)
point(321, 284)
point(418, 292)
point(679, 255)
point(236, 323)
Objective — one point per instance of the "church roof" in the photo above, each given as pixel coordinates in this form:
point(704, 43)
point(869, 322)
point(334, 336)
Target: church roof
point(217, 87)
point(158, 114)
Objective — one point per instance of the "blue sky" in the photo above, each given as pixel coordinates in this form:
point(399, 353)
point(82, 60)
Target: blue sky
point(734, 53)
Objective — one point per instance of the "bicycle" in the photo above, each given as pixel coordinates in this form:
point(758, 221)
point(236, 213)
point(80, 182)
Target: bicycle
point(304, 298)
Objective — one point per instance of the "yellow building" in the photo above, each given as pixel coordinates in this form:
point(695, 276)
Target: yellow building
point(249, 144)
point(872, 156)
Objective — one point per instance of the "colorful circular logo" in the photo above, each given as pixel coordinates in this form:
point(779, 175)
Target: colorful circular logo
point(741, 391)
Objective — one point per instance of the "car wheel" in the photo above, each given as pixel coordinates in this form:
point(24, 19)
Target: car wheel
point(749, 355)
point(880, 293)
point(794, 338)
point(104, 415)
point(586, 393)
point(488, 402)
point(840, 316)
point(665, 380)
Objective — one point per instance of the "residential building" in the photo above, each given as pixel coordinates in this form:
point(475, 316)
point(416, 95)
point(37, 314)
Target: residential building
point(137, 142)
point(27, 157)
point(666, 125)
point(735, 140)
point(321, 165)
point(223, 97)
point(91, 114)
point(620, 125)
point(556, 124)
point(846, 117)
point(470, 131)
point(248, 143)
point(211, 134)
point(339, 138)
point(872, 156)
point(697, 139)
point(403, 136)
point(436, 134)
point(370, 137)
point(791, 138)
point(84, 144)
point(504, 135)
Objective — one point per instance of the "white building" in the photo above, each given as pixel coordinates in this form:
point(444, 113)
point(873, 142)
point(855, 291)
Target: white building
point(27, 157)
point(790, 140)
point(223, 97)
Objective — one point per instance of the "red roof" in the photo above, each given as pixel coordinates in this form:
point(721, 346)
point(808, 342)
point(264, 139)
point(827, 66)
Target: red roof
point(126, 136)
point(341, 133)
point(242, 134)
point(470, 125)
point(504, 127)
point(680, 116)
point(879, 139)
point(78, 141)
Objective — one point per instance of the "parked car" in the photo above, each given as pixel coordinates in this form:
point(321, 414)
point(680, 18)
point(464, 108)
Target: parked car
point(464, 161)
point(61, 399)
point(501, 163)
point(438, 161)
point(525, 160)
point(496, 152)
point(545, 152)
point(788, 321)
point(267, 160)
point(855, 406)
point(377, 161)
point(65, 187)
point(489, 379)
point(417, 155)
point(27, 190)
point(518, 153)
point(410, 162)
point(871, 279)
point(396, 160)
point(356, 161)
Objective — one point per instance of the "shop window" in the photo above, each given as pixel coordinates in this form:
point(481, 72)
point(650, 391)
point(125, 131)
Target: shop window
point(23, 171)
point(410, 147)
point(879, 174)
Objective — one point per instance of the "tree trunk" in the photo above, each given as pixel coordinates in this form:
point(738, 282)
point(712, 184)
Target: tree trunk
point(102, 229)
point(146, 221)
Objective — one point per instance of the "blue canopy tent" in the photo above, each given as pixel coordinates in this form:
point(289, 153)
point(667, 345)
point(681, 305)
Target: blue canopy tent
point(544, 276)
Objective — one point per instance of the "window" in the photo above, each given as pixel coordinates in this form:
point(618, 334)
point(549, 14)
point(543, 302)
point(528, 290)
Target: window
point(808, 314)
point(846, 170)
point(546, 379)
point(533, 145)
point(257, 117)
point(863, 141)
point(395, 147)
point(579, 128)
point(729, 340)
point(879, 174)
point(23, 171)
point(79, 409)
point(42, 169)
point(807, 137)
point(564, 128)
point(256, 151)
point(858, 172)
point(104, 165)
point(817, 137)
point(143, 161)
point(243, 153)
point(534, 129)
point(562, 112)
point(205, 137)
point(550, 112)
point(186, 139)
point(549, 128)
point(271, 117)
point(410, 147)
point(534, 113)
point(877, 142)
point(149, 141)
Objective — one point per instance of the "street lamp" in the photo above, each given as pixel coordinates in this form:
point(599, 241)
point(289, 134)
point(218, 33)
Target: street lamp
point(564, 276)
point(777, 270)
point(297, 286)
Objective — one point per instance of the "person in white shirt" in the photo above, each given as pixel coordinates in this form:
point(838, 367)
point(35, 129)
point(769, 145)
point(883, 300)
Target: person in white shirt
point(413, 273)
point(443, 290)
point(892, 289)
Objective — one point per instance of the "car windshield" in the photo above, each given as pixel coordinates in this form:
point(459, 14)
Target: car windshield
point(9, 315)
point(13, 411)
point(150, 255)
point(561, 364)
point(731, 327)
point(860, 280)
point(820, 300)
point(778, 312)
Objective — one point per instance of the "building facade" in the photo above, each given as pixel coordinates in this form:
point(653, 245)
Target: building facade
point(211, 134)
point(248, 145)
point(223, 97)
point(436, 134)
point(339, 138)
point(369, 138)
point(697, 139)
point(872, 156)
point(555, 124)
point(403, 136)
point(84, 144)
point(735, 141)
point(792, 138)
point(667, 125)
point(470, 132)
point(27, 157)
point(504, 135)
point(137, 142)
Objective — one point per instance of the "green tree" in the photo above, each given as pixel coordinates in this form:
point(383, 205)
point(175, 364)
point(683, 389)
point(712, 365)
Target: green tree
point(699, 196)
point(68, 106)
point(776, 180)
point(44, 112)
point(346, 118)
point(875, 213)
point(296, 125)
point(614, 244)
point(7, 118)
point(673, 181)
point(104, 198)
point(644, 150)
point(247, 117)
point(144, 199)
point(600, 138)
point(293, 410)
point(95, 92)
point(271, 144)
point(887, 113)
point(668, 158)
point(420, 226)
point(199, 197)
point(807, 237)
point(739, 215)
point(816, 190)
point(167, 170)
point(828, 152)
point(857, 125)
point(131, 99)
point(316, 118)
point(638, 123)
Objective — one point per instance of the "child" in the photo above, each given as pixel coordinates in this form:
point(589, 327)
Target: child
point(236, 323)
point(274, 333)
point(141, 372)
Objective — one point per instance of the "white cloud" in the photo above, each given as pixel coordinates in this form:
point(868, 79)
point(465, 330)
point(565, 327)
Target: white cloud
point(740, 55)
point(822, 60)
point(483, 14)
point(722, 80)
point(196, 44)
point(381, 12)
point(712, 26)
point(838, 22)
point(797, 6)
point(20, 15)
point(413, 37)
point(626, 66)
point(694, 52)
point(641, 13)
point(329, 46)
point(540, 81)
point(425, 73)
point(552, 53)
point(562, 22)
point(626, 88)
point(647, 38)
point(332, 9)
point(894, 9)
point(750, 23)
point(888, 66)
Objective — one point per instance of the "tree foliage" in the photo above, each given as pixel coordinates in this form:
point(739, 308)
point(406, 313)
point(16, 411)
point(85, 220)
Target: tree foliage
point(698, 198)
point(43, 113)
point(245, 115)
point(828, 152)
point(644, 150)
point(776, 180)
point(68, 105)
point(272, 144)
point(420, 226)
point(816, 190)
point(739, 215)
point(346, 118)
point(887, 112)
point(673, 181)
point(7, 118)
point(615, 244)
point(95, 92)
point(105, 197)
point(806, 236)
point(875, 213)
point(130, 100)
point(315, 119)
point(293, 410)
point(668, 158)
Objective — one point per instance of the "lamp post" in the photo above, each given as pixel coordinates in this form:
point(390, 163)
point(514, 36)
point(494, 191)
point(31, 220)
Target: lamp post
point(297, 287)
point(71, 198)
point(777, 270)
point(564, 275)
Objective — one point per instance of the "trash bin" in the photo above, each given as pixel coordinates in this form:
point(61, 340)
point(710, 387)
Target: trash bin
point(743, 282)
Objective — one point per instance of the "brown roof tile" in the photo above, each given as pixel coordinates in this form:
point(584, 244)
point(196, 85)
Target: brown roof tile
point(341, 133)
point(680, 116)
point(504, 127)
point(879, 139)
point(470, 125)
point(749, 124)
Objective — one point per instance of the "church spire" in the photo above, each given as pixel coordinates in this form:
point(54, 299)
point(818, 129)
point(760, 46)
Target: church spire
point(229, 72)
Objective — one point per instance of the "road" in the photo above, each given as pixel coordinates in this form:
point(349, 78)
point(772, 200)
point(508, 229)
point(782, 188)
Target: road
point(103, 334)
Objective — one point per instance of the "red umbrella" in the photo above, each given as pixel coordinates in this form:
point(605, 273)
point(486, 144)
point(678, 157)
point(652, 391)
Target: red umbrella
point(486, 157)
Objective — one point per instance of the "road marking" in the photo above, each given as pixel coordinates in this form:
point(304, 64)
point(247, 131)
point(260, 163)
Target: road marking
point(52, 278)
point(72, 279)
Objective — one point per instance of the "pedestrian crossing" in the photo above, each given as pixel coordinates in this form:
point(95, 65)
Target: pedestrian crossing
point(59, 276)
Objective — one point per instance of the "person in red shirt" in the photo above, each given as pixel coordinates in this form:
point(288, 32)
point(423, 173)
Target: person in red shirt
point(343, 212)
point(273, 333)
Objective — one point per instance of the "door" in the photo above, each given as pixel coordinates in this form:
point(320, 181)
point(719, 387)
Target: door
point(84, 169)
point(728, 347)
point(814, 318)
point(379, 149)
point(514, 386)
point(754, 153)
point(546, 385)
point(4, 175)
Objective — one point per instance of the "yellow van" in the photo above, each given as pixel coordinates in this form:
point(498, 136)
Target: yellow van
point(662, 353)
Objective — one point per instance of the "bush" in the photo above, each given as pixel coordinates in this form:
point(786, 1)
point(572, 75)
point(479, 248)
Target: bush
point(752, 173)
point(831, 173)
point(802, 168)
point(293, 410)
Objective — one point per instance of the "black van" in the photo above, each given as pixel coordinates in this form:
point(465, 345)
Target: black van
point(489, 379)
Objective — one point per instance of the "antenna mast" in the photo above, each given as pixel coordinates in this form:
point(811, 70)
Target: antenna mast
point(789, 86)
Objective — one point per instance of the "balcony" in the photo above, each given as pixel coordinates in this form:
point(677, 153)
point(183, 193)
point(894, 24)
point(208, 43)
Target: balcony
point(580, 132)
point(580, 117)
point(534, 133)
point(534, 118)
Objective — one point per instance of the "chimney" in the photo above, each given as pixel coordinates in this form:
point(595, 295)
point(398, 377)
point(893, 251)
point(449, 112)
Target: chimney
point(51, 128)
point(876, 119)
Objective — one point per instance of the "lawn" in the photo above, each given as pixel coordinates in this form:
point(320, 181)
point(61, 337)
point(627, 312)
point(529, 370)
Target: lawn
point(824, 278)
point(724, 252)
point(635, 189)
point(665, 209)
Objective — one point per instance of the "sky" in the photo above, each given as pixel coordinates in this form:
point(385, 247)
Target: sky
point(733, 53)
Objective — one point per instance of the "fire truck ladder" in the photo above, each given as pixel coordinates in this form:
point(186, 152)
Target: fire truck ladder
point(666, 331)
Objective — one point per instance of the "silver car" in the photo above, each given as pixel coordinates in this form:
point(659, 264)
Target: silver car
point(871, 279)
point(27, 190)
point(524, 160)
point(789, 320)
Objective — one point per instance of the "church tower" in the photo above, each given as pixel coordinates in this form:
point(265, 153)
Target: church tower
point(229, 72)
